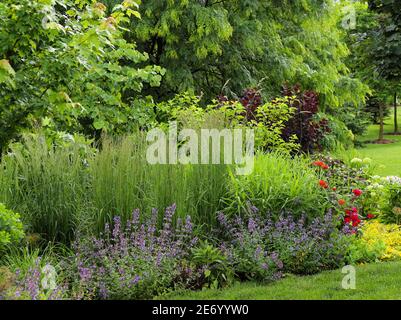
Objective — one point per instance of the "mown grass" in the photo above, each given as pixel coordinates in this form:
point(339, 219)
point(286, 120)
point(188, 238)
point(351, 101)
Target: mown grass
point(374, 281)
point(386, 156)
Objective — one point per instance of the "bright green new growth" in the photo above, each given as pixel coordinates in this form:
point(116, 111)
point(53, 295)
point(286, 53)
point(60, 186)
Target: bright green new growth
point(11, 228)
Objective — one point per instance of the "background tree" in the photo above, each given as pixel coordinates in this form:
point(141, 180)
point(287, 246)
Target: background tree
point(67, 63)
point(366, 63)
point(207, 45)
point(386, 46)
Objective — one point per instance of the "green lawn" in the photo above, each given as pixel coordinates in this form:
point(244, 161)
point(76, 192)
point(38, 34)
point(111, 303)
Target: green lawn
point(374, 281)
point(386, 156)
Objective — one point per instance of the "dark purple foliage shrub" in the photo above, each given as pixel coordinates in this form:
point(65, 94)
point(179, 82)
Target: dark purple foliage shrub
point(251, 100)
point(309, 131)
point(304, 125)
point(135, 261)
point(260, 247)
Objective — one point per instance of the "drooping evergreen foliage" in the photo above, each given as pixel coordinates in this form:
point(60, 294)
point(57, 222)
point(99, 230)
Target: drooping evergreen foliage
point(211, 46)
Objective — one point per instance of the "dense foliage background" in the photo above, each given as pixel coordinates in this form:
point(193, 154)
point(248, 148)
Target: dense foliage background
point(87, 66)
point(85, 215)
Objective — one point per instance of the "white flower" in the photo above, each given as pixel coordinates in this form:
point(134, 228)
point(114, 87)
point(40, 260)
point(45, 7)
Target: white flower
point(393, 180)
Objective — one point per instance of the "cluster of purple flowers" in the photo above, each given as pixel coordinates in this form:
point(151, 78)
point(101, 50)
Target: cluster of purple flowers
point(30, 285)
point(140, 259)
point(283, 244)
point(244, 245)
point(135, 260)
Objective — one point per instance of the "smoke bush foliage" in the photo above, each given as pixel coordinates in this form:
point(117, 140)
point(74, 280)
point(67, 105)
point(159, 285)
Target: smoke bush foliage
point(309, 130)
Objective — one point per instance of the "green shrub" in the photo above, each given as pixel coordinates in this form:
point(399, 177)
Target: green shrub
point(217, 272)
point(11, 227)
point(268, 120)
point(392, 210)
point(359, 251)
point(278, 183)
point(339, 136)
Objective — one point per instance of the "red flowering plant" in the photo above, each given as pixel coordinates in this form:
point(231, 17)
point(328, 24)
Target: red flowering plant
point(349, 203)
point(339, 175)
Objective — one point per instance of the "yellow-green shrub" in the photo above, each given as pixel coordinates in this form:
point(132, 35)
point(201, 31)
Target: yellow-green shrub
point(378, 242)
point(11, 228)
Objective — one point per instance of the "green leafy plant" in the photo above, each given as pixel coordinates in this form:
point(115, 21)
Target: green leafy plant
point(359, 251)
point(217, 273)
point(66, 62)
point(11, 227)
point(392, 209)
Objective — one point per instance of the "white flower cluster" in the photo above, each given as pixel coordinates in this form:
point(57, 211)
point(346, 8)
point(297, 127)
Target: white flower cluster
point(393, 180)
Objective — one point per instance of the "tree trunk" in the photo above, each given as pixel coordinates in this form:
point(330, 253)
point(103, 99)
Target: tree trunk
point(381, 115)
point(395, 114)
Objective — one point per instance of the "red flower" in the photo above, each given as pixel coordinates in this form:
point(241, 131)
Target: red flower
point(347, 220)
point(357, 192)
point(334, 189)
point(354, 217)
point(323, 184)
point(321, 164)
point(356, 222)
point(341, 202)
point(371, 216)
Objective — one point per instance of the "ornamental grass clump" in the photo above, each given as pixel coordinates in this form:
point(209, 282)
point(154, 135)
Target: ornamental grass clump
point(278, 183)
point(134, 260)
